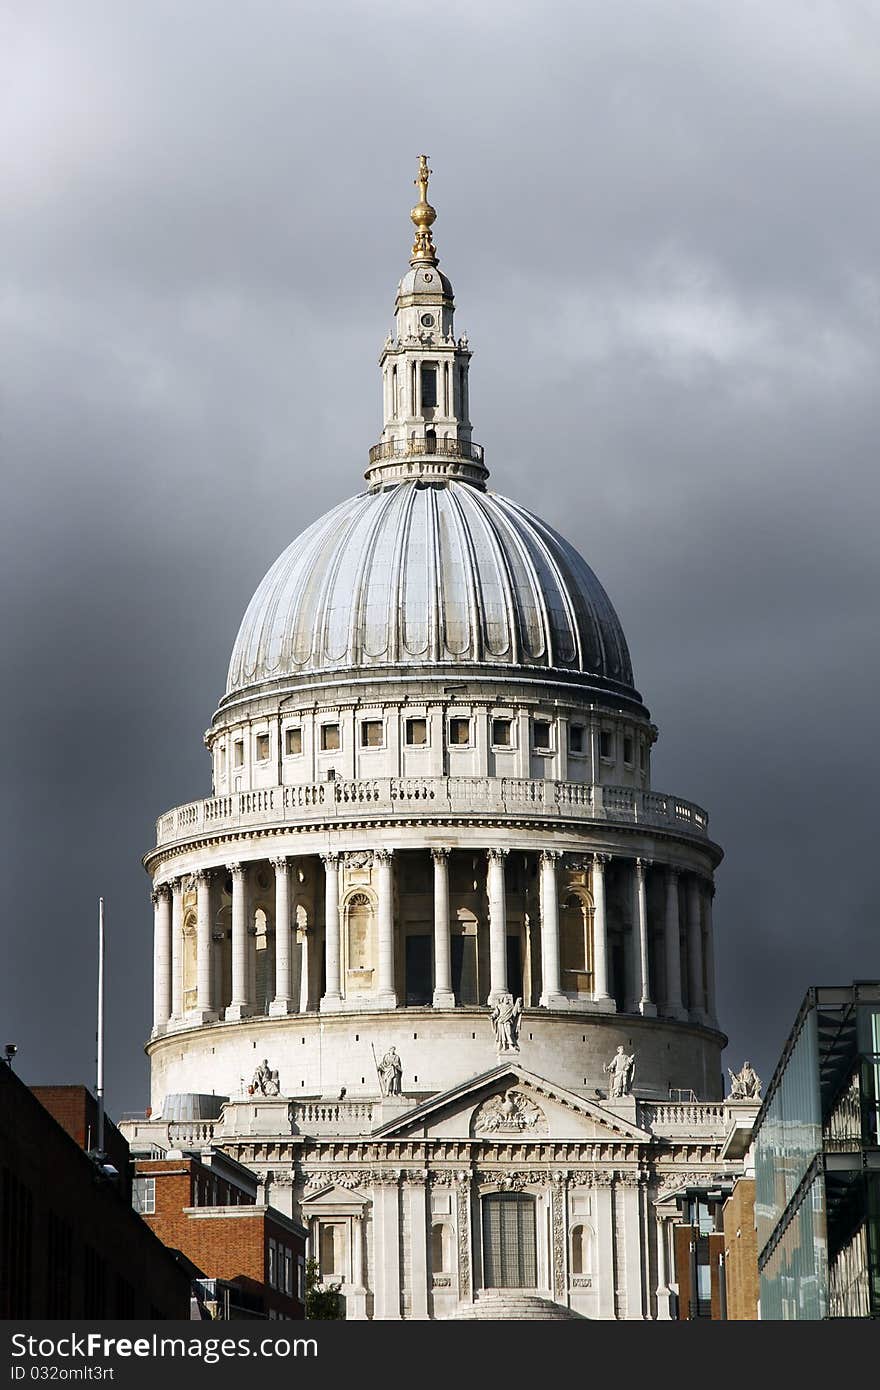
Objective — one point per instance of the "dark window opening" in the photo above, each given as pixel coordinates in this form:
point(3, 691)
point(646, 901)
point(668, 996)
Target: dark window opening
point(605, 744)
point(329, 737)
point(541, 734)
point(576, 738)
point(501, 736)
point(416, 732)
point(460, 732)
point(464, 969)
point(418, 970)
point(429, 387)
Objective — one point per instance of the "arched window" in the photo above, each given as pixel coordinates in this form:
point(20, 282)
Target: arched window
point(581, 1250)
point(359, 941)
point(576, 945)
point(510, 1255)
point(441, 1248)
point(190, 961)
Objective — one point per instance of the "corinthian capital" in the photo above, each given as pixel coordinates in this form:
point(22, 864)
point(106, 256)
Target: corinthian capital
point(497, 855)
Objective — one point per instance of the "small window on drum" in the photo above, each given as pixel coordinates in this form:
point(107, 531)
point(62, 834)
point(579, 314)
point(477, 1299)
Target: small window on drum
point(628, 749)
point(372, 733)
point(541, 735)
point(238, 752)
point(576, 738)
point(416, 733)
point(262, 747)
point(501, 733)
point(459, 733)
point(643, 755)
point(429, 388)
point(605, 744)
point(293, 741)
point(329, 738)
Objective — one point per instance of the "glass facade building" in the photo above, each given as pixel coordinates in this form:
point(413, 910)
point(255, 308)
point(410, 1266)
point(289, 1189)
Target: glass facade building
point(817, 1162)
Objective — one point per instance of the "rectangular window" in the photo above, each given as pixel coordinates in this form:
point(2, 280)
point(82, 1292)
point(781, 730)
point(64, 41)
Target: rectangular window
point(262, 747)
point(301, 1279)
point(293, 741)
point(372, 733)
point(576, 738)
point(222, 762)
point(273, 1264)
point(238, 752)
point(288, 1270)
point(329, 737)
point(628, 749)
point(429, 387)
point(143, 1196)
point(459, 732)
point(643, 756)
point(541, 735)
point(501, 736)
point(605, 744)
point(416, 732)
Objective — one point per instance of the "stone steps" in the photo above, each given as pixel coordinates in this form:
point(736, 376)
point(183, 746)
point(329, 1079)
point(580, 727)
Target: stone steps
point(502, 1304)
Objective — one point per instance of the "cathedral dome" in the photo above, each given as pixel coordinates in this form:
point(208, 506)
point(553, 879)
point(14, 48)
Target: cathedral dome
point(428, 573)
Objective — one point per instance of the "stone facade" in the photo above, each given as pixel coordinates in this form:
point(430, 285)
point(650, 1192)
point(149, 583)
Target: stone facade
point(432, 827)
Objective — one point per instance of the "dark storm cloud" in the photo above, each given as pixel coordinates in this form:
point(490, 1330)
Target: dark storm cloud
point(661, 222)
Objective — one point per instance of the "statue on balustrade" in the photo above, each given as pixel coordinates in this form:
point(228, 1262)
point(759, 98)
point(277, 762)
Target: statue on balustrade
point(745, 1084)
point(265, 1082)
point(621, 1071)
point(505, 1014)
point(390, 1073)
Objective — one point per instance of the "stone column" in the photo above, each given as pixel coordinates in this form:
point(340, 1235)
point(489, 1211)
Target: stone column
point(280, 1005)
point(709, 954)
point(161, 957)
point(695, 952)
point(645, 1004)
point(443, 995)
point(305, 967)
point(552, 996)
point(497, 924)
point(386, 993)
point(332, 994)
point(663, 1296)
point(240, 1005)
point(674, 1007)
point(600, 935)
point(177, 948)
point(204, 947)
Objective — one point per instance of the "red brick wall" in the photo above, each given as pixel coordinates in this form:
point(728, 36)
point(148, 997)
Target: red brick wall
point(76, 1110)
point(741, 1252)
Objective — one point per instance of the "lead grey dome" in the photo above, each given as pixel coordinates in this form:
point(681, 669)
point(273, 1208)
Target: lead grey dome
point(430, 574)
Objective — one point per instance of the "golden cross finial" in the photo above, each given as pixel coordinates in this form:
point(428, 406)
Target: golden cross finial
point(423, 216)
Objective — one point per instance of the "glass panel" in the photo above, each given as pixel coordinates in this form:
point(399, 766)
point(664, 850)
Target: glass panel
point(794, 1281)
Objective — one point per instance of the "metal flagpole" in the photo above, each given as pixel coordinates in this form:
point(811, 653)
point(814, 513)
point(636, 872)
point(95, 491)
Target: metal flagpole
point(99, 1088)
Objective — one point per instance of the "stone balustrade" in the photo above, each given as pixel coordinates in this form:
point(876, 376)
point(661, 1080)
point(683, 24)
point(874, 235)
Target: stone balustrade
point(316, 803)
point(695, 1118)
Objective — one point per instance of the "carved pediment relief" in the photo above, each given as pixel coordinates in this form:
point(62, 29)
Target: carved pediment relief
point(513, 1112)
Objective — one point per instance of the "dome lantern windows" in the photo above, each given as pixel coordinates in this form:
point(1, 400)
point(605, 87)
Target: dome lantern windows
point(428, 385)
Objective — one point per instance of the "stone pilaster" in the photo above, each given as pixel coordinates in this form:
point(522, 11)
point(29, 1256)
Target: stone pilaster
point(386, 995)
point(280, 1005)
point(600, 935)
point(497, 924)
point(176, 949)
point(552, 996)
point(240, 1005)
point(204, 1011)
point(332, 999)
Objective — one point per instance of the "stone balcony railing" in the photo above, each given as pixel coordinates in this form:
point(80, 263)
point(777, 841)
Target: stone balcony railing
point(686, 1119)
point(409, 798)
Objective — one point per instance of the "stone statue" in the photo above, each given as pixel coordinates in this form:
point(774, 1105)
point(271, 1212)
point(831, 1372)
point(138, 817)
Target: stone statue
point(390, 1073)
point(505, 1014)
point(621, 1070)
point(745, 1084)
point(265, 1082)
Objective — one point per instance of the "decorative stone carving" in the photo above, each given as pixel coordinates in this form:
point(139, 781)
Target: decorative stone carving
point(464, 1240)
point(359, 859)
point(558, 1201)
point(265, 1082)
point(513, 1113)
point(442, 1281)
point(506, 1014)
point(582, 1281)
point(745, 1084)
point(390, 1071)
point(621, 1070)
point(361, 1177)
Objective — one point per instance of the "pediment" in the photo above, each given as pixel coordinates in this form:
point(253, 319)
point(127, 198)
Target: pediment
point(332, 1197)
point(512, 1104)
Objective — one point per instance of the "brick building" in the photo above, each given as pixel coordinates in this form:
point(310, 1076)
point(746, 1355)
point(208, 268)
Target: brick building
point(76, 1110)
point(741, 1252)
point(252, 1256)
point(70, 1244)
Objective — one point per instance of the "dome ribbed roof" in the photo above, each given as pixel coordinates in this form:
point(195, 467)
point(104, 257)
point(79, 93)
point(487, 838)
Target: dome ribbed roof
point(417, 575)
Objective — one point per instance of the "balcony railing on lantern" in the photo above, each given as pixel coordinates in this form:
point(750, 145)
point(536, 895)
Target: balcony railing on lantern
point(429, 445)
point(317, 803)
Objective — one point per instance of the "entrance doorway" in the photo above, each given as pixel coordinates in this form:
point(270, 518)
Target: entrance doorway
point(510, 1253)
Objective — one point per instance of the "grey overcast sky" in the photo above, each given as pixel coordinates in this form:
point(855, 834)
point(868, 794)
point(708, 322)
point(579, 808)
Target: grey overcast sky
point(661, 221)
